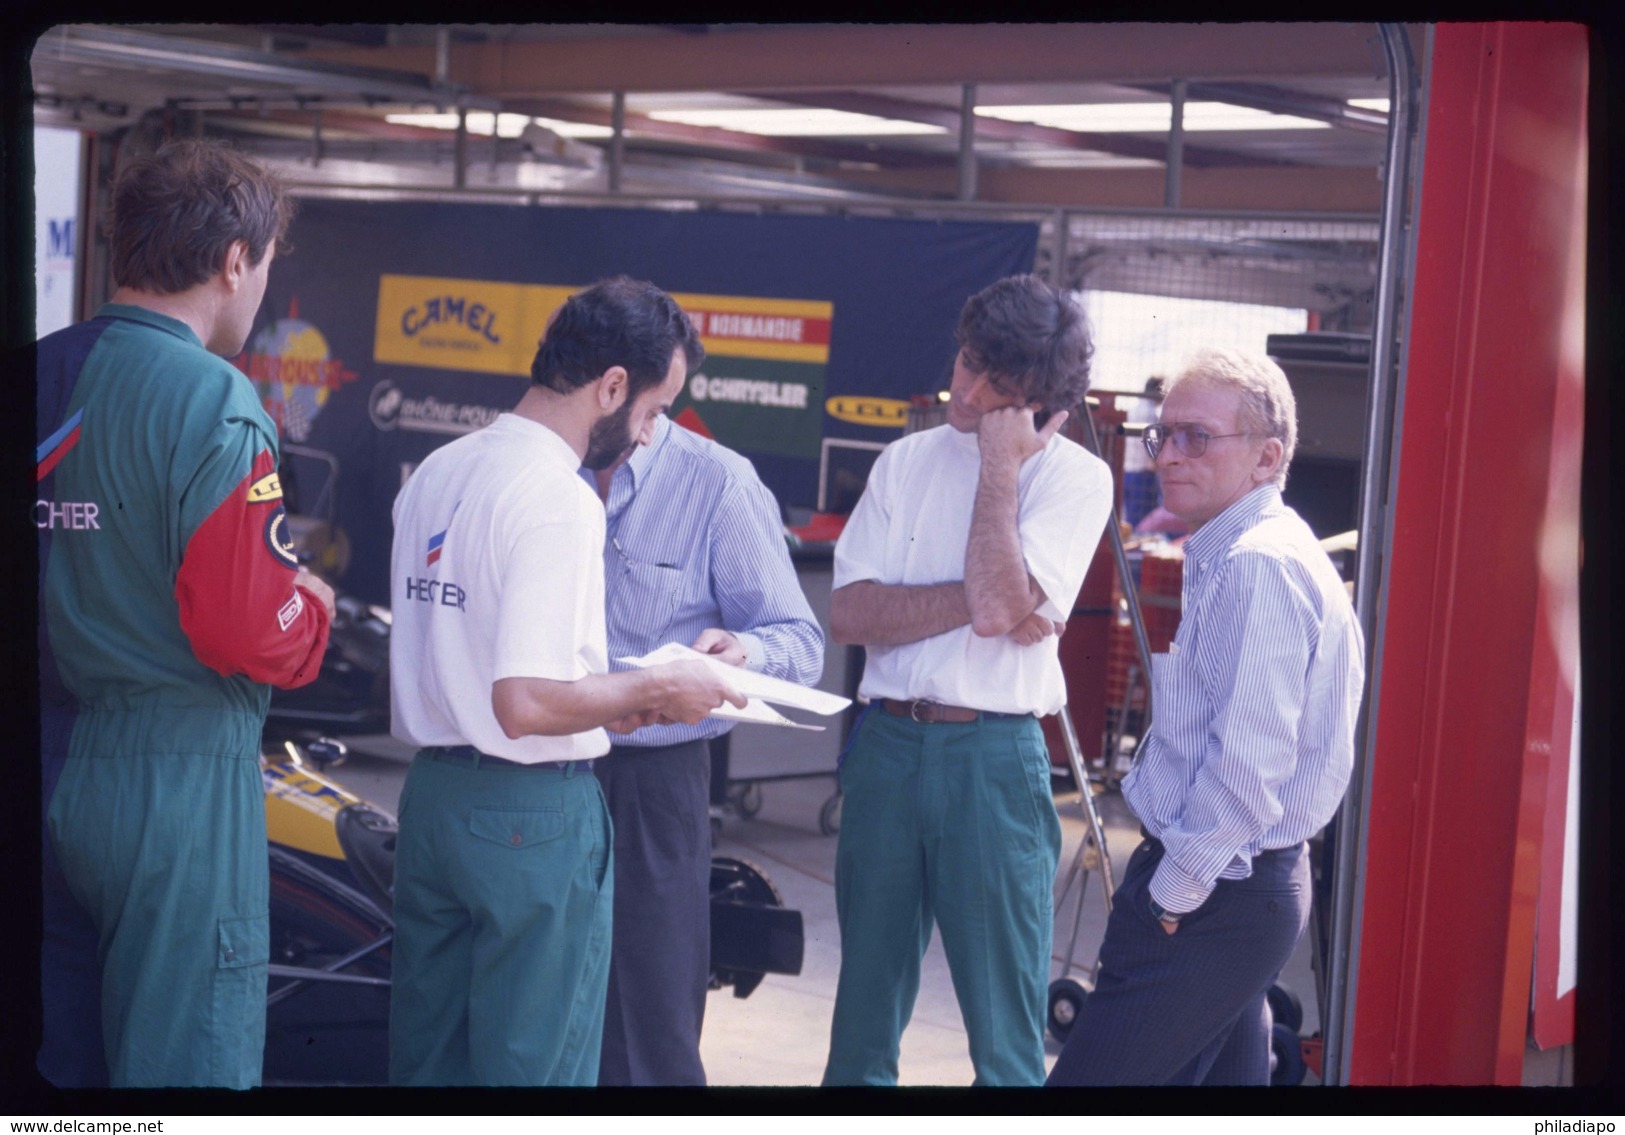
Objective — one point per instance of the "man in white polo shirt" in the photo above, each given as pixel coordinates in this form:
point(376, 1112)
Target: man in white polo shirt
point(956, 571)
point(499, 673)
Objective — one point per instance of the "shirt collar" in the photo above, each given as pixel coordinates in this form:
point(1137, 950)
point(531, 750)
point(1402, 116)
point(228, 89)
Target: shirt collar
point(643, 456)
point(138, 314)
point(1223, 530)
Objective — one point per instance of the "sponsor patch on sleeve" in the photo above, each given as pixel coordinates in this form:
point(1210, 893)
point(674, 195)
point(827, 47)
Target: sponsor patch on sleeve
point(277, 538)
point(290, 610)
point(268, 488)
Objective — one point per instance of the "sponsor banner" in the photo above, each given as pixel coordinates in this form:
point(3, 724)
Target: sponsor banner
point(763, 375)
point(463, 325)
point(390, 409)
point(748, 328)
point(399, 326)
point(777, 403)
point(493, 328)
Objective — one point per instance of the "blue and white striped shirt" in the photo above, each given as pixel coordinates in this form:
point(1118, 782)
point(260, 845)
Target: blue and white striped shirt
point(1252, 741)
point(694, 540)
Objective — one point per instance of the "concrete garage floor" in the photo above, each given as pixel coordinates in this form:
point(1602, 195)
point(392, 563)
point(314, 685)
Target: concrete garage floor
point(779, 1035)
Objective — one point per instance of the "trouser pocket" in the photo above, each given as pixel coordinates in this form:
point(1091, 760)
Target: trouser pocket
point(243, 950)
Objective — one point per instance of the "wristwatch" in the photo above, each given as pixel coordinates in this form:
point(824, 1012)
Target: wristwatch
point(1163, 915)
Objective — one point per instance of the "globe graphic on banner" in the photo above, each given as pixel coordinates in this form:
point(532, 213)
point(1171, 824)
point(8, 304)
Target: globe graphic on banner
point(291, 373)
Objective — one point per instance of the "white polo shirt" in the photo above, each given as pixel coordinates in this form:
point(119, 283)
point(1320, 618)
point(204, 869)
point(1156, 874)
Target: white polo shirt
point(912, 526)
point(497, 571)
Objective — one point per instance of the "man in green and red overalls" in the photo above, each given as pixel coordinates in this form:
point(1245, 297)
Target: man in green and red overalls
point(170, 604)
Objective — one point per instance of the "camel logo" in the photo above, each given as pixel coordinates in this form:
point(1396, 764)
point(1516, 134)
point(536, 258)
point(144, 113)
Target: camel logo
point(293, 368)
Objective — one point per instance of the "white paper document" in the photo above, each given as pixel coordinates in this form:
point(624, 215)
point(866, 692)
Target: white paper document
point(759, 688)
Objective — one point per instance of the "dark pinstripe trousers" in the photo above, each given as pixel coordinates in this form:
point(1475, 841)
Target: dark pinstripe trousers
point(660, 953)
point(1188, 1007)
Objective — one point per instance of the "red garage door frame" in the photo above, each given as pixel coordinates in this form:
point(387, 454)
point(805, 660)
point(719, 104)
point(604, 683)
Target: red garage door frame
point(1471, 693)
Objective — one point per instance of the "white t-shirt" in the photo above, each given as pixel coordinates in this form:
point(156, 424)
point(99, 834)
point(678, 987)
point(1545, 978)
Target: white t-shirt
point(497, 572)
point(912, 525)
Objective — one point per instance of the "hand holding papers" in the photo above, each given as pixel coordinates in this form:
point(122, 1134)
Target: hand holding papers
point(759, 688)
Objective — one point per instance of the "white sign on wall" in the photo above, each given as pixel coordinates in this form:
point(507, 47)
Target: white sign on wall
point(57, 160)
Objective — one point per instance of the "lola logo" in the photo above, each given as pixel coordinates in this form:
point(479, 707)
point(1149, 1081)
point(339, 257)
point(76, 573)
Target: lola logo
point(888, 413)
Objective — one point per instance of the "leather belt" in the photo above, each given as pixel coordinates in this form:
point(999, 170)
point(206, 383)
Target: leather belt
point(928, 712)
point(469, 755)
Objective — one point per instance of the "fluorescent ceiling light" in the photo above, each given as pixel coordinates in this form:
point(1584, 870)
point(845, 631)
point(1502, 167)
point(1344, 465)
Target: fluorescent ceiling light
point(507, 125)
point(575, 129)
point(1149, 117)
point(1089, 159)
point(1370, 104)
point(796, 122)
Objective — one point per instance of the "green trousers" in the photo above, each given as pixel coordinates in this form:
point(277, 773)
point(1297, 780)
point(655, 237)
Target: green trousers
point(162, 841)
point(952, 825)
point(504, 896)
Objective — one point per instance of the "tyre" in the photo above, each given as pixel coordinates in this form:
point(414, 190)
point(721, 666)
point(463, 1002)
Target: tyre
point(1286, 1057)
point(829, 816)
point(1066, 999)
point(1285, 1007)
point(752, 935)
point(324, 1032)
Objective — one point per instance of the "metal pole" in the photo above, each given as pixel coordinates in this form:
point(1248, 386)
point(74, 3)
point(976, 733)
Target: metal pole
point(316, 140)
point(459, 173)
point(617, 140)
point(967, 142)
point(1063, 222)
point(1381, 408)
point(1176, 143)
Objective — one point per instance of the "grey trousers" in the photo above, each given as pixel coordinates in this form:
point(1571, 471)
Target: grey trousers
point(660, 957)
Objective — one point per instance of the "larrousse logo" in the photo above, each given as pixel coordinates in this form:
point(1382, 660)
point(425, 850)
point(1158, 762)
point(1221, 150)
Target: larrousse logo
point(294, 370)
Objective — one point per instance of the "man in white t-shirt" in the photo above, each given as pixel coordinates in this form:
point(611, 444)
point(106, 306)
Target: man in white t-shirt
point(499, 674)
point(956, 571)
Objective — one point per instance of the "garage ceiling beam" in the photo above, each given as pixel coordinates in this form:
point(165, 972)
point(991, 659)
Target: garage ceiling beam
point(333, 122)
point(1123, 145)
point(848, 55)
point(143, 51)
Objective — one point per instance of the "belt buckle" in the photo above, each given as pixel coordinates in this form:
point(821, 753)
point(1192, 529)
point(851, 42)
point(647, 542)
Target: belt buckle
point(930, 708)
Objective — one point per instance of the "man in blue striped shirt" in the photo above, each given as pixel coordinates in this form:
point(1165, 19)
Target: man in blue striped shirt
point(1248, 756)
point(695, 554)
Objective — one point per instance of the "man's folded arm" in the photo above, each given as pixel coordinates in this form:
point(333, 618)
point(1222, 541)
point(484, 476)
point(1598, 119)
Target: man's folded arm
point(869, 613)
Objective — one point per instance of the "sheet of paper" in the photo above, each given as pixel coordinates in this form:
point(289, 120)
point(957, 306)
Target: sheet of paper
point(758, 712)
point(755, 686)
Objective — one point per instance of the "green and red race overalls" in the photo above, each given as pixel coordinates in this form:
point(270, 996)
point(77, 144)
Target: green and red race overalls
point(167, 612)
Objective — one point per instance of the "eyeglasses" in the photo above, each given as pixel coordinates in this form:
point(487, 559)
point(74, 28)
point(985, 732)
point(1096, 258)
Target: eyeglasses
point(1188, 437)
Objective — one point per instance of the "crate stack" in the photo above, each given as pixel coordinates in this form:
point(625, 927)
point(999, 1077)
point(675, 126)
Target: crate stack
point(1162, 570)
